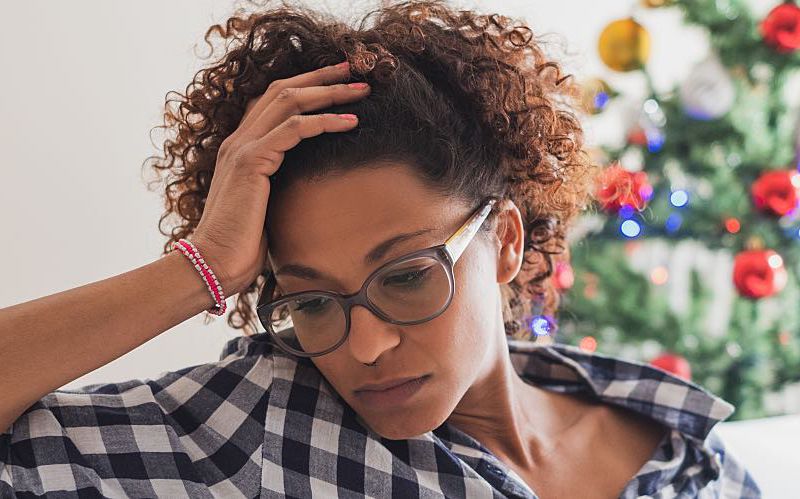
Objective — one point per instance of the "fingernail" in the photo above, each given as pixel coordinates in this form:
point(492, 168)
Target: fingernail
point(342, 64)
point(350, 117)
point(359, 85)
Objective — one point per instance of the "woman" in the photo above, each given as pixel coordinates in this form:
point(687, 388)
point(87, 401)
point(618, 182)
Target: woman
point(439, 211)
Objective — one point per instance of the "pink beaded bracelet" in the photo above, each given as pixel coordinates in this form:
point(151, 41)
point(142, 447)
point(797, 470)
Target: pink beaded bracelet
point(190, 251)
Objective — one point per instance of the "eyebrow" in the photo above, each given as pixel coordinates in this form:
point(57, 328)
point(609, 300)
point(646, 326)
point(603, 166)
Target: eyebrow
point(375, 255)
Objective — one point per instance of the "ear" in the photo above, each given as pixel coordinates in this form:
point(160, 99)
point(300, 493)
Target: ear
point(511, 237)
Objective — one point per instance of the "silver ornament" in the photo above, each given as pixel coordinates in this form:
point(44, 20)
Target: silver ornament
point(708, 92)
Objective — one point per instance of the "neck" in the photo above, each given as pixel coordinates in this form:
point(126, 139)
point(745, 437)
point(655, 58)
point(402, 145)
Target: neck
point(518, 421)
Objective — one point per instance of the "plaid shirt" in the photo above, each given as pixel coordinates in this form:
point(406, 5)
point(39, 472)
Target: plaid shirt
point(259, 423)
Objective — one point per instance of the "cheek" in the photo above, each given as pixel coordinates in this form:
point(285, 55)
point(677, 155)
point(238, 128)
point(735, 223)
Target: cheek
point(474, 303)
point(463, 335)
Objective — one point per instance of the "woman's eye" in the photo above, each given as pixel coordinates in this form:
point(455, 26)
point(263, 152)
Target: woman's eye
point(407, 278)
point(311, 305)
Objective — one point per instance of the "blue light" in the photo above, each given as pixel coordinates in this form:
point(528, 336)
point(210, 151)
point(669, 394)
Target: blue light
point(646, 191)
point(673, 222)
point(679, 198)
point(540, 325)
point(655, 141)
point(626, 211)
point(600, 100)
point(698, 114)
point(630, 228)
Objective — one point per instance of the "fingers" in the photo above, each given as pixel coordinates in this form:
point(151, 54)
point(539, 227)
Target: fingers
point(293, 101)
point(266, 153)
point(275, 123)
point(323, 76)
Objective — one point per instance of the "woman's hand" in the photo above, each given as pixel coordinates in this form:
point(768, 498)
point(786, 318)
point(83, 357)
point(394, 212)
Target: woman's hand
point(230, 234)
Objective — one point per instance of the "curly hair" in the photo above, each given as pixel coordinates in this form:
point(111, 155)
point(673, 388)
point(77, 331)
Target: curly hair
point(469, 100)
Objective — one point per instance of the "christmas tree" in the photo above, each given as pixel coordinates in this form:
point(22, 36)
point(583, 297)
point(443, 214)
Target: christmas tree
point(708, 174)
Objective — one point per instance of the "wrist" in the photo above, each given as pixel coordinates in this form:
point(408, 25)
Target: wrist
point(191, 280)
point(206, 273)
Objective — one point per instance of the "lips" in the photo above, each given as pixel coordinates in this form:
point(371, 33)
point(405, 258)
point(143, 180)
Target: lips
point(392, 398)
point(386, 384)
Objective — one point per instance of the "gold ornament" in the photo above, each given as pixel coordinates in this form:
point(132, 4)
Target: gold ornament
point(624, 45)
point(595, 94)
point(754, 243)
point(654, 4)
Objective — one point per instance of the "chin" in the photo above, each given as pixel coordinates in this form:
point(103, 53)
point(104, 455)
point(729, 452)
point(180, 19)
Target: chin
point(405, 424)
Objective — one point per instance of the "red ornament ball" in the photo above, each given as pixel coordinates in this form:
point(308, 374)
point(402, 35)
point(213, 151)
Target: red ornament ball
point(618, 187)
point(674, 364)
point(563, 277)
point(759, 273)
point(637, 136)
point(781, 28)
point(776, 191)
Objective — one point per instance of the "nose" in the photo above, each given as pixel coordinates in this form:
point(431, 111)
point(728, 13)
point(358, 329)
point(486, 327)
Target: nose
point(369, 335)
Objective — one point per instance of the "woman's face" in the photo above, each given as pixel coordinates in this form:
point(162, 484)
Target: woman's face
point(330, 226)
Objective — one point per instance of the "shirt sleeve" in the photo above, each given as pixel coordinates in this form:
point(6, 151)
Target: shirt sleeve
point(174, 436)
point(734, 479)
point(68, 434)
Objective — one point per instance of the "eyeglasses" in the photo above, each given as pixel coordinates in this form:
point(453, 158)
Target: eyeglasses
point(410, 289)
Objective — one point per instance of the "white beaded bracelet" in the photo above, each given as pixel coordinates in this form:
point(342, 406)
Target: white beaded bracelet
point(193, 254)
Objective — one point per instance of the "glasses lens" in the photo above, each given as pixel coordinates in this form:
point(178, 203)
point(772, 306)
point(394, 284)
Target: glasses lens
point(411, 290)
point(309, 323)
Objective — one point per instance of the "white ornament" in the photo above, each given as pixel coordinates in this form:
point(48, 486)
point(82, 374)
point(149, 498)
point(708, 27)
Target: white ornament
point(708, 92)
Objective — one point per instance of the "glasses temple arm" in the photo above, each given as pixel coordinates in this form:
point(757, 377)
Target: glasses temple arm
point(456, 244)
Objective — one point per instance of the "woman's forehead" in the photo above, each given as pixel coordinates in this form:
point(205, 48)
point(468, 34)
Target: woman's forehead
point(364, 238)
point(358, 206)
point(344, 218)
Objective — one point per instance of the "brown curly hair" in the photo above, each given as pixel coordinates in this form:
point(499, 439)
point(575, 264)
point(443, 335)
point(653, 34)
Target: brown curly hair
point(470, 100)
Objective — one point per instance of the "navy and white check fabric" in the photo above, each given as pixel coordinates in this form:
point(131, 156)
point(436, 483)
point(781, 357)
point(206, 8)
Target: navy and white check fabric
point(260, 423)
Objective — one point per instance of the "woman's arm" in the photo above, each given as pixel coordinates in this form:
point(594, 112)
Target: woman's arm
point(50, 341)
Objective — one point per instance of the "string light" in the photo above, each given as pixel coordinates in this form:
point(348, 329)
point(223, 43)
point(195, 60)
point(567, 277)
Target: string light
point(659, 275)
point(588, 343)
point(679, 198)
point(630, 228)
point(541, 325)
point(600, 100)
point(732, 225)
point(655, 140)
point(673, 222)
point(626, 211)
point(775, 261)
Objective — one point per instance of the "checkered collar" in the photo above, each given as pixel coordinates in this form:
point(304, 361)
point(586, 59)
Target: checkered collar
point(645, 389)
